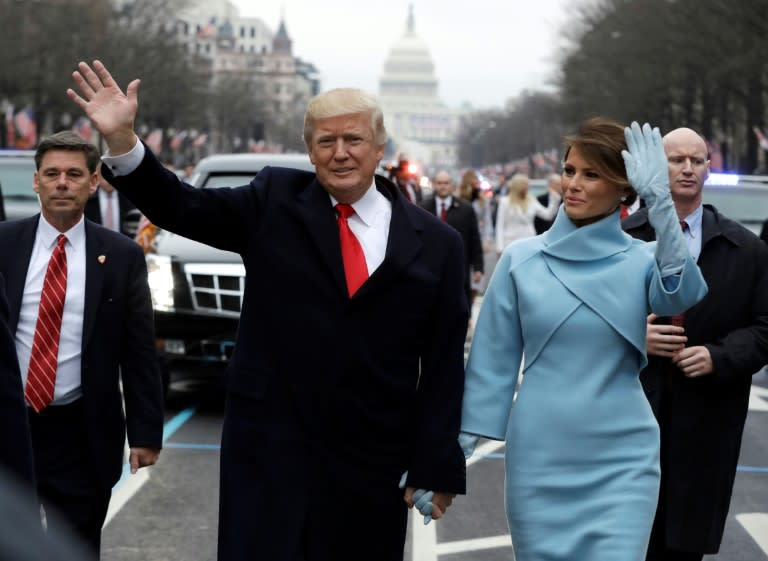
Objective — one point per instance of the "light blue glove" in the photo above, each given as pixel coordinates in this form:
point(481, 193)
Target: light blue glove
point(648, 173)
point(422, 499)
point(468, 442)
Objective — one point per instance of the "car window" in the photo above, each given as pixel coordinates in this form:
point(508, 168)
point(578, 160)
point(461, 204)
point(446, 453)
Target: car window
point(228, 179)
point(746, 205)
point(16, 179)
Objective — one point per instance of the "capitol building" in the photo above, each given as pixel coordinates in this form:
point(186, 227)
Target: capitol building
point(418, 122)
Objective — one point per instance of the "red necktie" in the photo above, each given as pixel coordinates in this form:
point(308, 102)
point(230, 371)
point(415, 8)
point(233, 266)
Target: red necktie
point(355, 268)
point(679, 319)
point(44, 358)
point(624, 212)
point(443, 211)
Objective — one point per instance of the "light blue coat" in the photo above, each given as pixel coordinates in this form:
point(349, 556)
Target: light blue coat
point(582, 444)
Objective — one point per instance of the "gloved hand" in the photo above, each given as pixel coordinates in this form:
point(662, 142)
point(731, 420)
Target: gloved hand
point(648, 172)
point(646, 162)
point(468, 442)
point(422, 499)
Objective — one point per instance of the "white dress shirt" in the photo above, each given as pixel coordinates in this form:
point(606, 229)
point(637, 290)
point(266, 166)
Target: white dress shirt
point(693, 233)
point(104, 195)
point(67, 387)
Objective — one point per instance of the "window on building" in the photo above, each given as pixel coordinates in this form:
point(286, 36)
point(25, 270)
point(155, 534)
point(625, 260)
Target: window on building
point(242, 31)
point(253, 32)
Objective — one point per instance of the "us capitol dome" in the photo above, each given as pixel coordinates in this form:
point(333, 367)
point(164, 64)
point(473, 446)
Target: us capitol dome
point(417, 121)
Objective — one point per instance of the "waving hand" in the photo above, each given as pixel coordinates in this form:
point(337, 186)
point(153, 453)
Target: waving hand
point(110, 110)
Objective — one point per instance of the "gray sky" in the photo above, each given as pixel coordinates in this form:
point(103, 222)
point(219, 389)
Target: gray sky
point(484, 51)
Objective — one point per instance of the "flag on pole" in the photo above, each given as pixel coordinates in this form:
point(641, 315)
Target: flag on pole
point(26, 126)
point(83, 127)
point(10, 127)
point(155, 140)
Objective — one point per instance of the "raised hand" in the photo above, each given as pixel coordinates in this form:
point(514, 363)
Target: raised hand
point(110, 110)
point(646, 162)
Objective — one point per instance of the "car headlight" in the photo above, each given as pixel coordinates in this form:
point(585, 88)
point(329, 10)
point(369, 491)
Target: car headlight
point(160, 281)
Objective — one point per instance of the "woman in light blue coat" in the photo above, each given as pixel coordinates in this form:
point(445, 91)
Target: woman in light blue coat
point(570, 307)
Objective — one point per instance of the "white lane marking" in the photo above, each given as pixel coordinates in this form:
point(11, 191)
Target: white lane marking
point(424, 538)
point(476, 544)
point(756, 525)
point(126, 491)
point(758, 398)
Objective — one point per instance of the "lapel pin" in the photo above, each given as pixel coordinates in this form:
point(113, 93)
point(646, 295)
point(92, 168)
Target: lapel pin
point(101, 259)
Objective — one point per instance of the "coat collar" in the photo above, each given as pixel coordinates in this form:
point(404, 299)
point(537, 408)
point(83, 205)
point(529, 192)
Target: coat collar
point(599, 240)
point(403, 241)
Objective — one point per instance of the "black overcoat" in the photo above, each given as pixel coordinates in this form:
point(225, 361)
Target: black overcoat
point(329, 398)
point(702, 419)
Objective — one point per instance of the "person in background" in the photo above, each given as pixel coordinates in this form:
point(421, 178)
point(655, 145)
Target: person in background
point(516, 211)
point(15, 443)
point(569, 306)
point(541, 225)
point(470, 191)
point(111, 209)
point(371, 285)
point(81, 315)
point(701, 363)
point(460, 215)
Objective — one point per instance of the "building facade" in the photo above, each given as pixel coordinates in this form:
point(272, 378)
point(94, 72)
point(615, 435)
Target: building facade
point(419, 123)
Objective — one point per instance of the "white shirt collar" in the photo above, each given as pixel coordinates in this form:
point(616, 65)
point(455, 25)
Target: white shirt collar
point(368, 205)
point(48, 234)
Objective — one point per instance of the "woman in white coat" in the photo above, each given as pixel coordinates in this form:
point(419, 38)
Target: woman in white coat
point(514, 217)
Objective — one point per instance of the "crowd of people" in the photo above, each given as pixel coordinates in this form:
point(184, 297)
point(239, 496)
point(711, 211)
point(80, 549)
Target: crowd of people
point(603, 353)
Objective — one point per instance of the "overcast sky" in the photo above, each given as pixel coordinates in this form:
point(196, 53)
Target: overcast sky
point(484, 51)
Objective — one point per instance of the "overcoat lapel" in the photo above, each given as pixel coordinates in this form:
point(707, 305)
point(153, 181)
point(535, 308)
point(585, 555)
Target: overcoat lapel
point(319, 217)
point(94, 277)
point(404, 241)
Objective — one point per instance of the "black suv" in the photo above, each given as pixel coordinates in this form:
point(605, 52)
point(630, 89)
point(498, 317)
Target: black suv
point(197, 290)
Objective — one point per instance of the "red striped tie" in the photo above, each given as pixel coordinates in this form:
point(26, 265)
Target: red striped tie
point(44, 358)
point(355, 267)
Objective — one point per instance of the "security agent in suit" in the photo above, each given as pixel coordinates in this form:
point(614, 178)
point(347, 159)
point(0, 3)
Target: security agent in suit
point(124, 214)
point(699, 374)
point(315, 439)
point(461, 216)
point(106, 337)
point(553, 189)
point(15, 443)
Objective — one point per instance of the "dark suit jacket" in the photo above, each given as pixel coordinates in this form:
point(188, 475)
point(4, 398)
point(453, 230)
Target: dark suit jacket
point(702, 419)
point(15, 445)
point(128, 213)
point(327, 396)
point(539, 224)
point(118, 340)
point(462, 217)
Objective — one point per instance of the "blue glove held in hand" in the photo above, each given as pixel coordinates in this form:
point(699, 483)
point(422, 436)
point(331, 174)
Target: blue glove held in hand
point(648, 172)
point(422, 499)
point(468, 442)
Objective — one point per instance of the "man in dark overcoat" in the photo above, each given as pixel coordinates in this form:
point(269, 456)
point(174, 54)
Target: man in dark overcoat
point(460, 215)
point(701, 364)
point(348, 365)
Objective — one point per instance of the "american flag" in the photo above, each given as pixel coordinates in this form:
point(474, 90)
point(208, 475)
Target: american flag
point(155, 140)
point(83, 127)
point(26, 126)
point(10, 128)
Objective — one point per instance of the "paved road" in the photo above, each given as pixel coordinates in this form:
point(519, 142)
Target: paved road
point(169, 512)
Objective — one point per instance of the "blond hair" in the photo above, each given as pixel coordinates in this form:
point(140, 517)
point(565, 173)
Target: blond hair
point(517, 191)
point(344, 101)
